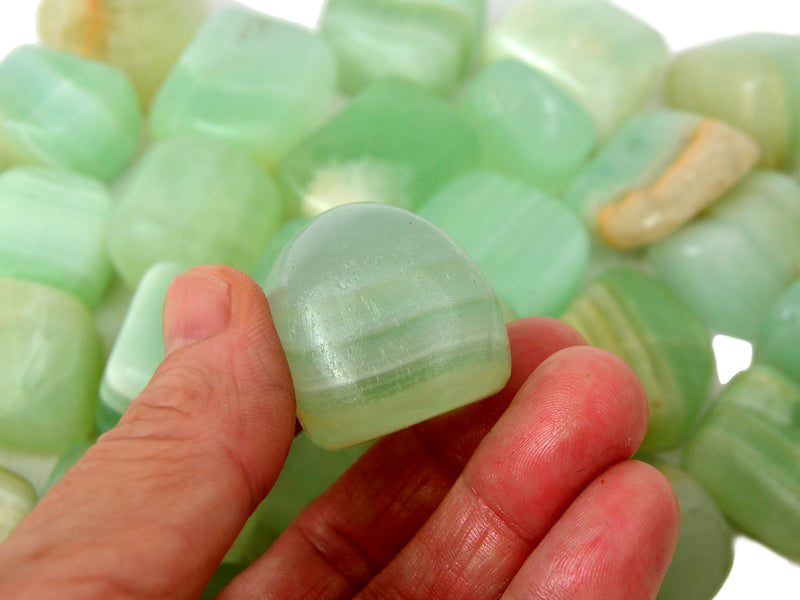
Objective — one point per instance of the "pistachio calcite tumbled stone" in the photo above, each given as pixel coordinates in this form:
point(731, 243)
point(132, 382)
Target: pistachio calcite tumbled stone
point(778, 342)
point(62, 110)
point(385, 322)
point(17, 499)
point(260, 272)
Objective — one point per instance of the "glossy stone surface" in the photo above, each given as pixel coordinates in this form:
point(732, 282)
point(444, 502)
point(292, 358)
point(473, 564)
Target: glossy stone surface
point(194, 201)
point(637, 317)
point(532, 249)
point(746, 453)
point(17, 499)
point(287, 231)
point(261, 83)
point(385, 322)
point(736, 260)
point(656, 173)
point(395, 143)
point(778, 342)
point(607, 59)
point(61, 110)
point(529, 128)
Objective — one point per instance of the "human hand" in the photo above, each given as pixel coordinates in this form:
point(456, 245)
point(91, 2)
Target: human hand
point(529, 494)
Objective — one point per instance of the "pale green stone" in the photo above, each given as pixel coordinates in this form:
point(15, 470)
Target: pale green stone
point(110, 313)
point(17, 499)
point(529, 128)
point(733, 263)
point(385, 322)
point(531, 248)
point(395, 143)
point(194, 201)
point(249, 79)
point(261, 271)
point(61, 110)
point(431, 42)
point(608, 60)
point(35, 467)
point(778, 343)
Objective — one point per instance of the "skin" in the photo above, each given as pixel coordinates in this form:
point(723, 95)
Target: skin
point(528, 494)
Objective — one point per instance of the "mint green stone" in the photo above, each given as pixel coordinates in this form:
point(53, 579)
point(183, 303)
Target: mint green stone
point(733, 263)
point(746, 453)
point(35, 467)
point(261, 271)
point(66, 461)
point(529, 128)
point(778, 342)
point(110, 313)
point(385, 322)
point(430, 42)
point(531, 248)
point(61, 110)
point(53, 227)
point(261, 83)
point(194, 201)
point(607, 59)
point(17, 499)
point(637, 317)
point(395, 143)
point(50, 366)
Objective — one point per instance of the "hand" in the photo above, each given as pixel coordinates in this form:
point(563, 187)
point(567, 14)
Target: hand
point(529, 494)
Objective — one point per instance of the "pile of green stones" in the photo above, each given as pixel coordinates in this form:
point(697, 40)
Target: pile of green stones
point(401, 181)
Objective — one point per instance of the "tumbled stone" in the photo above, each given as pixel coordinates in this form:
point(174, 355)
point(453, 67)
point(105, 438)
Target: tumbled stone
point(17, 499)
point(778, 342)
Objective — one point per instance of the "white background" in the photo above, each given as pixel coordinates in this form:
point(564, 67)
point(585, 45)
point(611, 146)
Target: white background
point(757, 573)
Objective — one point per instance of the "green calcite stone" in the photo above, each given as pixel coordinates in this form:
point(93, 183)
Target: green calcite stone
point(66, 461)
point(35, 467)
point(733, 263)
point(53, 227)
point(778, 343)
point(261, 271)
point(61, 110)
point(385, 322)
point(528, 126)
point(431, 42)
point(395, 143)
point(637, 317)
point(608, 60)
point(194, 201)
point(746, 454)
point(751, 81)
point(50, 366)
point(532, 249)
point(258, 82)
point(17, 499)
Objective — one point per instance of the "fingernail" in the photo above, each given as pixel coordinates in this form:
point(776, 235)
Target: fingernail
point(197, 307)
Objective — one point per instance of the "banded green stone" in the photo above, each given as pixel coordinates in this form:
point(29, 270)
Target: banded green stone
point(17, 499)
point(778, 343)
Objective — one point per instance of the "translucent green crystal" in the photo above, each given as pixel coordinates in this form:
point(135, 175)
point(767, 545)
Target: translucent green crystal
point(531, 248)
point(17, 499)
point(261, 271)
point(61, 110)
point(385, 322)
point(261, 83)
point(778, 343)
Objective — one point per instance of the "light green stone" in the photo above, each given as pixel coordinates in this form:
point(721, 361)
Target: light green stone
point(637, 317)
point(529, 128)
point(110, 313)
point(35, 467)
point(50, 363)
point(194, 201)
point(778, 343)
point(17, 499)
point(746, 454)
point(608, 60)
point(61, 110)
point(258, 82)
point(261, 271)
point(532, 249)
point(395, 143)
point(733, 263)
point(430, 42)
point(385, 322)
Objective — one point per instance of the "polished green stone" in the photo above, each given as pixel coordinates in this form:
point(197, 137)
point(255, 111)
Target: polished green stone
point(431, 42)
point(385, 322)
point(61, 110)
point(637, 317)
point(34, 466)
point(194, 201)
point(735, 261)
point(746, 454)
point(50, 363)
point(778, 342)
point(66, 461)
point(395, 143)
point(607, 59)
point(529, 128)
point(110, 313)
point(261, 83)
point(531, 248)
point(261, 271)
point(17, 499)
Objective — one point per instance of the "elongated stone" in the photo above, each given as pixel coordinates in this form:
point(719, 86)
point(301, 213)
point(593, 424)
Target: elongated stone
point(194, 201)
point(746, 452)
point(531, 248)
point(17, 499)
point(261, 83)
point(637, 317)
point(529, 128)
point(61, 110)
point(778, 342)
point(261, 271)
point(658, 172)
point(608, 60)
point(395, 143)
point(385, 322)
point(732, 264)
